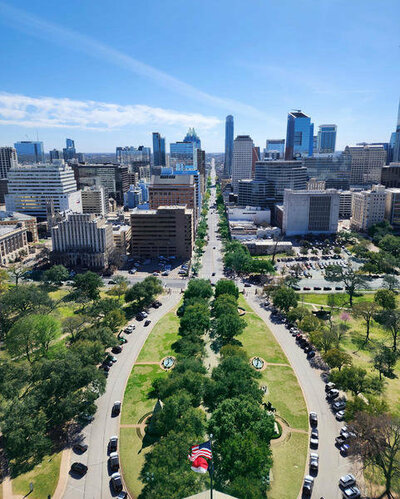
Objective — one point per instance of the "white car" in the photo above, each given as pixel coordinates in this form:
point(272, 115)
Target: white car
point(314, 461)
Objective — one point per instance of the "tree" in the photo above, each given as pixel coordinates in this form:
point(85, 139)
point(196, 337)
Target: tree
point(380, 230)
point(226, 287)
point(277, 239)
point(32, 334)
point(323, 339)
point(310, 323)
point(120, 287)
point(143, 293)
point(355, 380)
point(17, 271)
point(390, 282)
point(385, 361)
point(390, 320)
point(284, 298)
point(386, 299)
point(195, 319)
point(366, 311)
point(87, 286)
point(335, 358)
point(260, 266)
point(114, 319)
point(227, 326)
point(72, 325)
point(116, 258)
point(200, 288)
point(377, 443)
point(4, 277)
point(56, 275)
point(224, 304)
point(350, 278)
point(368, 403)
point(390, 244)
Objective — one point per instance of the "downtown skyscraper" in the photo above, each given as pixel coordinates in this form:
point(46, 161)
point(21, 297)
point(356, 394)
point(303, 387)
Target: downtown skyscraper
point(158, 149)
point(229, 128)
point(299, 135)
point(326, 138)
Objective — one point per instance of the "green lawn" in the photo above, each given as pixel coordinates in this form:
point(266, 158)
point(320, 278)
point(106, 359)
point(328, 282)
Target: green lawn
point(136, 400)
point(132, 459)
point(321, 298)
point(257, 339)
point(269, 257)
point(44, 477)
point(289, 464)
point(163, 335)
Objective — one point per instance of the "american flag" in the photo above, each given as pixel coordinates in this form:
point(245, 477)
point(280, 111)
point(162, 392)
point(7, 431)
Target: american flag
point(201, 450)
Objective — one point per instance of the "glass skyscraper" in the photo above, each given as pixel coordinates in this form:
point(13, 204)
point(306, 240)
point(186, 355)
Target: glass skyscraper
point(158, 149)
point(29, 151)
point(326, 138)
point(69, 152)
point(299, 135)
point(183, 153)
point(228, 146)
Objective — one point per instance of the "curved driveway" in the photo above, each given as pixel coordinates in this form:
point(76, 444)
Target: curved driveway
point(95, 485)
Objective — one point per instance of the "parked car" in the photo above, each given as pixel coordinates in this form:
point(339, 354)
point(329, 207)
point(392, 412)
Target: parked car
point(113, 444)
point(313, 419)
point(133, 271)
point(117, 349)
point(339, 405)
point(332, 394)
point(314, 439)
point(80, 448)
point(339, 416)
point(111, 358)
point(114, 461)
point(79, 469)
point(122, 495)
point(116, 482)
point(352, 493)
point(314, 461)
point(344, 449)
point(146, 323)
point(308, 485)
point(122, 340)
point(347, 481)
point(129, 329)
point(329, 386)
point(116, 409)
point(139, 316)
point(111, 281)
point(339, 441)
point(311, 354)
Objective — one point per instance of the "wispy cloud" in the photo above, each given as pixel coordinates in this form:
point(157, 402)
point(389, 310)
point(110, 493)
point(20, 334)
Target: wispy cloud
point(46, 112)
point(35, 26)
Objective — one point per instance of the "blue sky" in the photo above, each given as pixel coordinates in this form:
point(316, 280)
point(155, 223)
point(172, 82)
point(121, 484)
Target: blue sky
point(108, 72)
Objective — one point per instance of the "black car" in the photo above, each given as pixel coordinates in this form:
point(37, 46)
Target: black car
point(213, 274)
point(114, 461)
point(116, 482)
point(80, 448)
point(313, 419)
point(113, 444)
point(139, 317)
point(116, 409)
point(117, 349)
point(147, 323)
point(311, 354)
point(79, 468)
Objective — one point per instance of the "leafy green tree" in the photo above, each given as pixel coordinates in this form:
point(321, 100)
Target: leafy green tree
point(4, 280)
point(355, 380)
point(224, 304)
point(142, 294)
point(17, 271)
point(323, 339)
point(351, 279)
point(72, 325)
point(24, 299)
point(195, 319)
point(198, 288)
point(102, 307)
point(390, 320)
point(191, 383)
point(310, 323)
point(298, 313)
point(227, 326)
point(56, 275)
point(336, 358)
point(385, 361)
point(226, 287)
point(390, 282)
point(365, 310)
point(98, 333)
point(87, 286)
point(386, 299)
point(114, 320)
point(284, 298)
point(391, 244)
point(372, 405)
point(120, 287)
point(380, 230)
point(260, 266)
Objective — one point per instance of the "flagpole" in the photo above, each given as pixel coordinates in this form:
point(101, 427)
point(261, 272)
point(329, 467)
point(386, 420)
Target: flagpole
point(211, 470)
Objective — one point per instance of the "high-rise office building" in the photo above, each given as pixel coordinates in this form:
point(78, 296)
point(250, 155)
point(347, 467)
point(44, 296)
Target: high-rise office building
point(173, 190)
point(192, 137)
point(367, 162)
point(368, 207)
point(315, 212)
point(242, 165)
point(334, 169)
point(396, 140)
point(32, 187)
point(184, 152)
point(29, 151)
point(133, 156)
point(69, 151)
point(158, 150)
point(278, 145)
point(8, 160)
point(229, 128)
point(55, 154)
point(326, 142)
point(299, 136)
point(391, 175)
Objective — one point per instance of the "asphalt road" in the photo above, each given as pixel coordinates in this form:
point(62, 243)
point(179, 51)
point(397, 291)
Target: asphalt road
point(95, 485)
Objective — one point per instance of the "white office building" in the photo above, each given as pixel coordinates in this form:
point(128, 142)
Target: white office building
point(368, 207)
point(31, 188)
point(310, 212)
point(242, 166)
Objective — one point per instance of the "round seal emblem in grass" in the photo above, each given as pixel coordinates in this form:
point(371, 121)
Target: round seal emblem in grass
point(258, 363)
point(168, 363)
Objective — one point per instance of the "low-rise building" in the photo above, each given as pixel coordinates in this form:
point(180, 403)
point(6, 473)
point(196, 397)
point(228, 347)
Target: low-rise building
point(14, 218)
point(392, 208)
point(122, 235)
point(166, 231)
point(315, 212)
point(13, 243)
point(249, 213)
point(316, 185)
point(345, 204)
point(94, 201)
point(82, 240)
point(368, 207)
point(267, 247)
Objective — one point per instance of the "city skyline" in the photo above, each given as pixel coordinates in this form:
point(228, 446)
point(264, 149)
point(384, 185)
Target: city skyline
point(343, 79)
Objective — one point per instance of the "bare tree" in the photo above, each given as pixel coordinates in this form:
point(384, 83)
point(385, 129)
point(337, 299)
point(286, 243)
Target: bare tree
point(377, 443)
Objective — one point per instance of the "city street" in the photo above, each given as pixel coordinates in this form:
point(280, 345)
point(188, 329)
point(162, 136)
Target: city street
point(95, 485)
